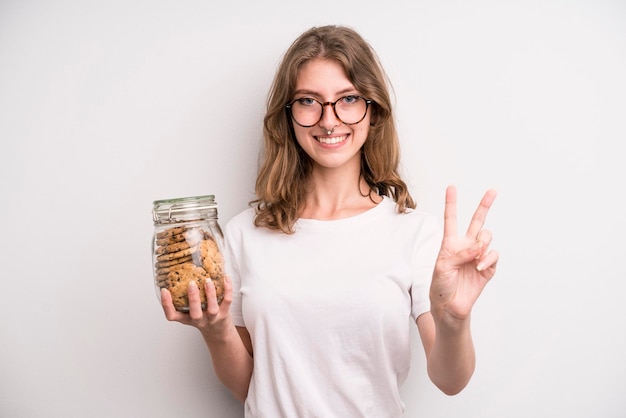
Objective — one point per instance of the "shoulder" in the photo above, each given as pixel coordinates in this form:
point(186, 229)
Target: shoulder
point(241, 221)
point(244, 217)
point(414, 228)
point(415, 217)
point(239, 225)
point(242, 224)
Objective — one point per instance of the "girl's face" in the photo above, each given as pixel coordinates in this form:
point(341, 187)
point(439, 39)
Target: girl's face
point(325, 81)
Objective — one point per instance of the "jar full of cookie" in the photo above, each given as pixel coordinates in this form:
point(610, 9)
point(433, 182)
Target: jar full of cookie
point(187, 245)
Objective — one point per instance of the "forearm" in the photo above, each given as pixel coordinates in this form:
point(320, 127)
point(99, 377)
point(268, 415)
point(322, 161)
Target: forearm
point(231, 361)
point(452, 359)
point(232, 358)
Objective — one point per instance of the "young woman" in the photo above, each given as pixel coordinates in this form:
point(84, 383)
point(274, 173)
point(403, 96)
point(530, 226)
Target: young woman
point(332, 262)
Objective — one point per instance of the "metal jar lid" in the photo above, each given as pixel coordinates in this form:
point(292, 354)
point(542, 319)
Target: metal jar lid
point(184, 209)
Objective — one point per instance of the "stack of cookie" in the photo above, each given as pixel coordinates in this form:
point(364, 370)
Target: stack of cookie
point(186, 253)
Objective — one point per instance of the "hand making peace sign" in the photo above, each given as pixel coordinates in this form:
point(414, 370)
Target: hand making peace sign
point(464, 264)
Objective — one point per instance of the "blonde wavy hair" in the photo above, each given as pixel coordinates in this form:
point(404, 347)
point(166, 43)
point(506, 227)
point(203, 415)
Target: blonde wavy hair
point(284, 166)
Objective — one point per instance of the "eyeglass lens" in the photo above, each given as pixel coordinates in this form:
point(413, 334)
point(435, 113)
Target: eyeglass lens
point(349, 110)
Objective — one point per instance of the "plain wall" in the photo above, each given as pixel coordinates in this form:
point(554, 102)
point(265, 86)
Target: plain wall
point(107, 106)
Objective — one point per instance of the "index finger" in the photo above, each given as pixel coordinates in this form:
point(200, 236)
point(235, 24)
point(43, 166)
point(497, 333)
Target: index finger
point(480, 215)
point(168, 307)
point(449, 212)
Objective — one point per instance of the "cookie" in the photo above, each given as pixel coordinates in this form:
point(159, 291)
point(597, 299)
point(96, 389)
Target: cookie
point(161, 280)
point(178, 254)
point(177, 282)
point(170, 240)
point(211, 258)
point(172, 248)
point(169, 263)
point(187, 234)
point(170, 232)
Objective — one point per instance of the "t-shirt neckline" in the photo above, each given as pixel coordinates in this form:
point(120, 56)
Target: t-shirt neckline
point(344, 223)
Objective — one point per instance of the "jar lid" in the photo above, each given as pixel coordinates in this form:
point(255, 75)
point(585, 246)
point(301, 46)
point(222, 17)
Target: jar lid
point(181, 209)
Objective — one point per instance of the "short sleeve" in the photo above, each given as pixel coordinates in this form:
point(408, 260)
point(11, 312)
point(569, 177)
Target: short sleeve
point(425, 252)
point(232, 244)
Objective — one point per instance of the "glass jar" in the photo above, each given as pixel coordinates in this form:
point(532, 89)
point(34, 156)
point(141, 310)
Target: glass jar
point(187, 245)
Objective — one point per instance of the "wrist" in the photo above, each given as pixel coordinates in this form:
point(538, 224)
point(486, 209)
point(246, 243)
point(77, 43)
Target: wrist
point(221, 333)
point(446, 321)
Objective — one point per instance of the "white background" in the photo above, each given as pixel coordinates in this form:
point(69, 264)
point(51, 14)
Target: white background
point(107, 106)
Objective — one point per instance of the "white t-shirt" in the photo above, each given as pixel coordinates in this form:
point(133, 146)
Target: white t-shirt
point(329, 307)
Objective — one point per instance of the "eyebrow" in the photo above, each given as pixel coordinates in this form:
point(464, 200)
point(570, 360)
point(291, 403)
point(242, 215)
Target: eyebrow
point(314, 93)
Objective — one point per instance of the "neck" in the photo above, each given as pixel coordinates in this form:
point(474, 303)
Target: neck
point(335, 196)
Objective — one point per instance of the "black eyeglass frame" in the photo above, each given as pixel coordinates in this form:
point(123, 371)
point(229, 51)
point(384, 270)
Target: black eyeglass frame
point(368, 102)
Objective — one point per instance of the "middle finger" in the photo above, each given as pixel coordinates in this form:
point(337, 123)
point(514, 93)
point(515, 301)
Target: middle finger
point(195, 304)
point(480, 215)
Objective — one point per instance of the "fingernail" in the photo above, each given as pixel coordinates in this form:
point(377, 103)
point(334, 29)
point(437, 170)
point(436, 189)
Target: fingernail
point(193, 287)
point(480, 266)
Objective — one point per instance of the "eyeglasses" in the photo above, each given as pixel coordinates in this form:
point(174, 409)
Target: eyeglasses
point(307, 111)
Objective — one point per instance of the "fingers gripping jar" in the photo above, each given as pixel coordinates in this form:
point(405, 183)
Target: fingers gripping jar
point(187, 245)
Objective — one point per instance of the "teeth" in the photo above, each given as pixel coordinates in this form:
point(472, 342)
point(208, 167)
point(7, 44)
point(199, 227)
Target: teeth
point(333, 140)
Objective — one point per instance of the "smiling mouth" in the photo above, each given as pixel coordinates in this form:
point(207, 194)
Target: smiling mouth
point(331, 140)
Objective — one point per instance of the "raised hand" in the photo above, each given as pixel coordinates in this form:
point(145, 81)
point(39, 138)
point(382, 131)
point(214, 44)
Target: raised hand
point(464, 264)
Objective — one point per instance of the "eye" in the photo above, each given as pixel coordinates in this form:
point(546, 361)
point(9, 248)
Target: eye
point(353, 98)
point(306, 101)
